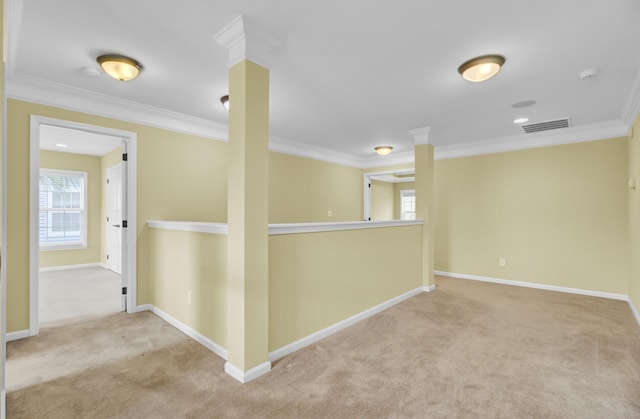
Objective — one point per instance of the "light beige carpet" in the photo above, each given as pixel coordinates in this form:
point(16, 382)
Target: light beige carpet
point(73, 295)
point(468, 349)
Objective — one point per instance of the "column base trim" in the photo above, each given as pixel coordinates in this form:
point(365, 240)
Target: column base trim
point(429, 288)
point(246, 376)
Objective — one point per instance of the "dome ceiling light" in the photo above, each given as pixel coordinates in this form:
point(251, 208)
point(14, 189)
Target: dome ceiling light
point(481, 68)
point(119, 67)
point(383, 150)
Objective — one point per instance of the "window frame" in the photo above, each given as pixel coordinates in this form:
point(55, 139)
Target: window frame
point(407, 193)
point(82, 243)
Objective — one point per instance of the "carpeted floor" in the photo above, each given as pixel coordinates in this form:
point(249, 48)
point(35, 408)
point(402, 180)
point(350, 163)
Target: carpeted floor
point(469, 349)
point(73, 295)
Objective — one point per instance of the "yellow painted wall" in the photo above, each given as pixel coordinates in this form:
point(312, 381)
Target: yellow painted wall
point(110, 159)
point(558, 215)
point(634, 215)
point(181, 261)
point(381, 200)
point(319, 279)
point(180, 177)
point(90, 165)
point(303, 190)
point(397, 187)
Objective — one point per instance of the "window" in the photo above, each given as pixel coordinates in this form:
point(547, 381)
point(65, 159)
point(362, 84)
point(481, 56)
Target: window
point(408, 204)
point(63, 216)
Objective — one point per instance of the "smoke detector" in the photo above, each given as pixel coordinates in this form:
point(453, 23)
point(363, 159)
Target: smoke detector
point(588, 73)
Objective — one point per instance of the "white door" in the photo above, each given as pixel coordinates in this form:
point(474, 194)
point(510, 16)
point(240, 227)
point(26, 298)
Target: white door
point(114, 218)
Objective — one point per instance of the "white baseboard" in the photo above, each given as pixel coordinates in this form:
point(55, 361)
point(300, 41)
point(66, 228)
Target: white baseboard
point(321, 334)
point(80, 266)
point(246, 376)
point(429, 288)
point(194, 334)
point(634, 311)
point(590, 293)
point(20, 334)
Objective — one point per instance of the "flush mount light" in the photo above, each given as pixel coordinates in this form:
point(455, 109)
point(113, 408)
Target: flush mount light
point(520, 120)
point(383, 150)
point(225, 101)
point(481, 68)
point(119, 67)
point(61, 145)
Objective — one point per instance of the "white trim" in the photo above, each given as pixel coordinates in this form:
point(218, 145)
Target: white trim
point(246, 376)
point(66, 97)
point(187, 330)
point(20, 334)
point(609, 295)
point(129, 210)
point(429, 288)
point(196, 227)
point(420, 135)
point(582, 133)
point(335, 328)
point(634, 311)
point(79, 266)
point(297, 228)
point(243, 40)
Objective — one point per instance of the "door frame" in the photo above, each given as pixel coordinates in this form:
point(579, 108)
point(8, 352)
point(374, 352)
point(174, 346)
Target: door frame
point(129, 239)
point(366, 187)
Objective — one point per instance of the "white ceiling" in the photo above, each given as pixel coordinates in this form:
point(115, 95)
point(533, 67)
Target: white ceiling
point(76, 141)
point(349, 75)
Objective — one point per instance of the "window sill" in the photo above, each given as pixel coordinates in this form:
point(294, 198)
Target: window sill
point(63, 247)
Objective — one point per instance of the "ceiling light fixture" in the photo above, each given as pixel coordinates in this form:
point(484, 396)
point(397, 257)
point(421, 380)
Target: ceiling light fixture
point(119, 67)
point(520, 120)
point(225, 101)
point(481, 68)
point(383, 150)
point(61, 145)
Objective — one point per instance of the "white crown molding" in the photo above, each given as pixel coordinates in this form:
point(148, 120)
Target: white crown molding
point(295, 148)
point(583, 133)
point(632, 104)
point(420, 135)
point(53, 94)
point(243, 40)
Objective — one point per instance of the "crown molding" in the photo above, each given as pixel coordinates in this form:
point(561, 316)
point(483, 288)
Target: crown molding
point(53, 94)
point(243, 40)
point(583, 133)
point(420, 135)
point(295, 148)
point(632, 104)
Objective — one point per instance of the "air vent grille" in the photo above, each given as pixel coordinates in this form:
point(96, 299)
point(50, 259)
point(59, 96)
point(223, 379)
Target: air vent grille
point(546, 126)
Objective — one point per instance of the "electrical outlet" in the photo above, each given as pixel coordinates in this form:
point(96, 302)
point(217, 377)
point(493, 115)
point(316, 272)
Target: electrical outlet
point(329, 213)
point(502, 262)
point(189, 297)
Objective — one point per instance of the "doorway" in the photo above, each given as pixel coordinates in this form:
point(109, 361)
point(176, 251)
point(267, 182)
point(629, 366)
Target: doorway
point(382, 195)
point(122, 249)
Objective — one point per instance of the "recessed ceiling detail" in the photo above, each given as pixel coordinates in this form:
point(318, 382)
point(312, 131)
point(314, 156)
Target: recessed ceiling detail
point(546, 125)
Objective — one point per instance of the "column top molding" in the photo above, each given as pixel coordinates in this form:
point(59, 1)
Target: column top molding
point(243, 40)
point(420, 135)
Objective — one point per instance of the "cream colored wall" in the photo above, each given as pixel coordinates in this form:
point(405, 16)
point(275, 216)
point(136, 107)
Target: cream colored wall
point(181, 261)
point(303, 190)
point(180, 177)
point(90, 165)
point(558, 215)
point(110, 159)
point(397, 187)
point(319, 279)
point(381, 200)
point(634, 215)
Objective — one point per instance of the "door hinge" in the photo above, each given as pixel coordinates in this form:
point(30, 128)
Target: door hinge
point(124, 157)
point(124, 223)
point(107, 257)
point(369, 185)
point(124, 290)
point(107, 219)
point(107, 181)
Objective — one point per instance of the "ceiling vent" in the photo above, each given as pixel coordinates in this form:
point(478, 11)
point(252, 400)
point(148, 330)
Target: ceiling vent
point(546, 126)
